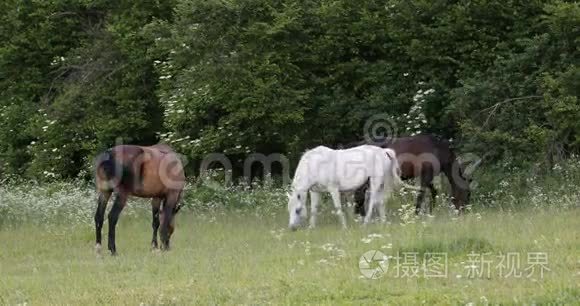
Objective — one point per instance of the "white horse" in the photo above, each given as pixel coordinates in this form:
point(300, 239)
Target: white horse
point(335, 171)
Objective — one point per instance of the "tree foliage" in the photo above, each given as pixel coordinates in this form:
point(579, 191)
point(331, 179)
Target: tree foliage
point(237, 76)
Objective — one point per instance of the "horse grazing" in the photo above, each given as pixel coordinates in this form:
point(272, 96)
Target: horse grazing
point(425, 156)
point(335, 171)
point(148, 172)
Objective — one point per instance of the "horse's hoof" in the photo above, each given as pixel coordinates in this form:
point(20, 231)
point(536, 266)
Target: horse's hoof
point(98, 248)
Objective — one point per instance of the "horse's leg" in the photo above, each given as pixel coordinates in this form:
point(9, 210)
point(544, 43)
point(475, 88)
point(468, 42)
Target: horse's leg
point(166, 217)
point(350, 205)
point(420, 198)
point(433, 197)
point(155, 207)
point(380, 202)
point(369, 211)
point(100, 216)
point(367, 200)
point(360, 199)
point(372, 201)
point(344, 198)
point(118, 205)
point(314, 200)
point(426, 179)
point(336, 200)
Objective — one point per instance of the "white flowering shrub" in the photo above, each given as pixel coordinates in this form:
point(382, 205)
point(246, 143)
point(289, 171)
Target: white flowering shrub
point(49, 203)
point(74, 202)
point(511, 187)
point(69, 203)
point(211, 192)
point(415, 120)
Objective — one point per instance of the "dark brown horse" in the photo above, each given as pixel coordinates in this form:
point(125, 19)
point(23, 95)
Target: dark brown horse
point(425, 156)
point(148, 172)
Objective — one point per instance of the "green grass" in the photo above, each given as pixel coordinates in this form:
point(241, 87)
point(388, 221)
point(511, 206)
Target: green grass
point(231, 246)
point(248, 257)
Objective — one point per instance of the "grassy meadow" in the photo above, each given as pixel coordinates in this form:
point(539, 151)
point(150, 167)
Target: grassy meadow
point(231, 246)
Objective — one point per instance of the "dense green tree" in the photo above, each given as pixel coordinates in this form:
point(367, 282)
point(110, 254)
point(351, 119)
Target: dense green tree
point(525, 106)
point(264, 76)
point(79, 78)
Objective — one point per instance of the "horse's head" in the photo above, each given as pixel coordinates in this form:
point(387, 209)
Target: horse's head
point(296, 208)
point(461, 195)
point(461, 182)
point(461, 190)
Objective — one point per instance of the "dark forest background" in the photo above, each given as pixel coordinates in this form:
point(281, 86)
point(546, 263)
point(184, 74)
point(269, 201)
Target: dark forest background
point(500, 78)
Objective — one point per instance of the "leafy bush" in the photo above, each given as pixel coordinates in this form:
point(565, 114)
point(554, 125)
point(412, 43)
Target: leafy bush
point(245, 76)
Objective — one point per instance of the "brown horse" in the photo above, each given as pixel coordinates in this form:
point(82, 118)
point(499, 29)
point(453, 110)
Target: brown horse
point(148, 172)
point(425, 156)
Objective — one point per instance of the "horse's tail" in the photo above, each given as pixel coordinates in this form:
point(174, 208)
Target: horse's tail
point(116, 173)
point(108, 165)
point(109, 174)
